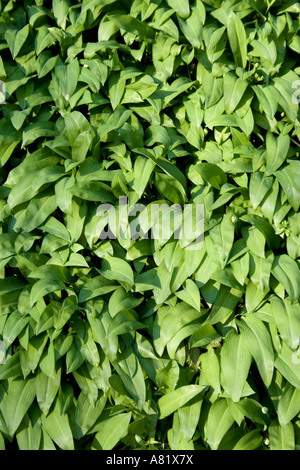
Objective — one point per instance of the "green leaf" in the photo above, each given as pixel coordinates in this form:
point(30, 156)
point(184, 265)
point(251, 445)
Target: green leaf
point(124, 322)
point(213, 174)
point(95, 287)
point(202, 336)
point(253, 410)
point(178, 398)
point(117, 269)
point(237, 39)
point(289, 180)
point(14, 325)
point(47, 389)
point(47, 362)
point(193, 25)
point(36, 130)
point(287, 320)
point(16, 402)
point(131, 374)
point(258, 341)
point(86, 414)
point(10, 284)
point(167, 377)
point(122, 300)
point(182, 8)
point(133, 25)
point(20, 39)
point(143, 168)
point(113, 429)
point(58, 427)
point(170, 188)
point(289, 404)
point(37, 211)
point(169, 321)
point(288, 364)
point(218, 422)
point(11, 368)
point(277, 150)
point(44, 287)
point(190, 294)
point(235, 365)
point(258, 188)
point(234, 90)
point(29, 433)
point(286, 271)
point(189, 416)
point(281, 437)
point(250, 441)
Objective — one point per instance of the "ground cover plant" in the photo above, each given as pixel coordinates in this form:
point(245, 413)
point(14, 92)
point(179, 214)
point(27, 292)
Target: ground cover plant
point(145, 344)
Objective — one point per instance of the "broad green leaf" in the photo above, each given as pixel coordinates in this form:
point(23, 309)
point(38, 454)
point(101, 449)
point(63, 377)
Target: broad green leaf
point(47, 361)
point(20, 39)
point(117, 269)
point(58, 427)
point(95, 287)
point(178, 398)
point(203, 336)
point(122, 300)
point(225, 302)
point(170, 188)
point(86, 414)
point(237, 39)
point(276, 153)
point(268, 101)
point(189, 416)
point(133, 26)
point(37, 211)
point(193, 25)
point(258, 188)
point(44, 287)
point(176, 438)
point(10, 284)
point(258, 341)
point(169, 321)
point(16, 402)
point(36, 130)
point(234, 89)
point(142, 171)
point(250, 441)
point(131, 374)
point(29, 433)
point(253, 410)
point(11, 368)
point(113, 429)
point(213, 174)
point(218, 422)
point(235, 365)
point(190, 294)
point(167, 377)
point(286, 271)
point(290, 182)
point(124, 322)
point(182, 8)
point(260, 270)
point(255, 240)
point(288, 364)
point(287, 320)
point(289, 404)
point(282, 437)
point(14, 325)
point(47, 389)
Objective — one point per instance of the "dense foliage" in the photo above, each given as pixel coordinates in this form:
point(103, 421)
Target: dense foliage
point(143, 344)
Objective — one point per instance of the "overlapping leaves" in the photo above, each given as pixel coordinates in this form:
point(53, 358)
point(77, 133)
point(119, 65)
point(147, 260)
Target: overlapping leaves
point(143, 344)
